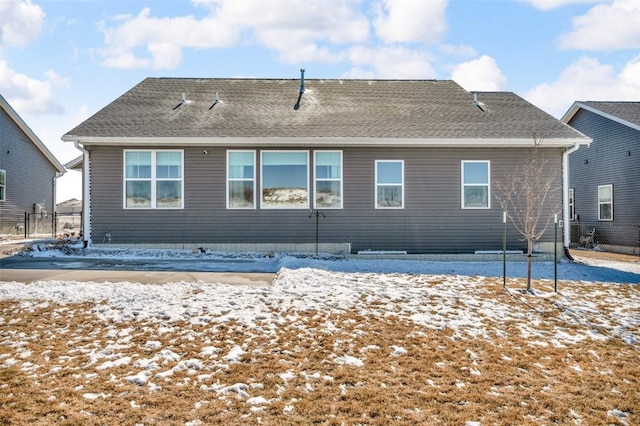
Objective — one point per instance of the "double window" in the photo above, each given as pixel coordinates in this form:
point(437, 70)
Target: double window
point(605, 202)
point(3, 184)
point(328, 179)
point(153, 179)
point(241, 179)
point(476, 189)
point(389, 184)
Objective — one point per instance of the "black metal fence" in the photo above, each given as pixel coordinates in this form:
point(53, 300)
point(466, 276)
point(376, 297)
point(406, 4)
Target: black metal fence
point(39, 225)
point(614, 236)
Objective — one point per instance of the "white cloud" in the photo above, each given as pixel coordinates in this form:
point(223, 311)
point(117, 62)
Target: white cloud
point(482, 74)
point(411, 20)
point(284, 24)
point(458, 50)
point(309, 54)
point(610, 26)
point(124, 60)
point(163, 38)
point(26, 94)
point(56, 79)
point(555, 4)
point(290, 27)
point(20, 22)
point(390, 62)
point(587, 80)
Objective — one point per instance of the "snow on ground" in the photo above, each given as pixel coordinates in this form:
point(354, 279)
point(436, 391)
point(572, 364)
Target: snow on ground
point(435, 295)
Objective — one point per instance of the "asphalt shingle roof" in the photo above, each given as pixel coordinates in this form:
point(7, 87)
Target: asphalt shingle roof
point(627, 111)
point(263, 108)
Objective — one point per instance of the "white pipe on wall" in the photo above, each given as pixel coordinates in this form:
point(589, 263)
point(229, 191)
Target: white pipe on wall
point(86, 205)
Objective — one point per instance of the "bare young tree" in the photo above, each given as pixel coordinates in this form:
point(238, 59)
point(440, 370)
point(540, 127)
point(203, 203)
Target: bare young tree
point(525, 193)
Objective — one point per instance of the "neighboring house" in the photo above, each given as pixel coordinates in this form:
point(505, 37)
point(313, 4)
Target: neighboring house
point(251, 164)
point(69, 214)
point(69, 207)
point(28, 170)
point(605, 178)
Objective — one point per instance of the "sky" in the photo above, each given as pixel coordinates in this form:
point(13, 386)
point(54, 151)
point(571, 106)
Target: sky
point(63, 60)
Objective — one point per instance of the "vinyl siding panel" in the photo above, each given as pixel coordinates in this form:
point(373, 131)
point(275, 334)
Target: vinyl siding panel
point(606, 161)
point(432, 220)
point(29, 176)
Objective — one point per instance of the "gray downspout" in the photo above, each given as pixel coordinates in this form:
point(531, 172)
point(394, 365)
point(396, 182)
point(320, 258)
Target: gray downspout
point(86, 204)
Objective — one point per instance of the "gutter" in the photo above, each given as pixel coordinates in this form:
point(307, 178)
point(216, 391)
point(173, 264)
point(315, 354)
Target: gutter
point(86, 205)
point(565, 193)
point(333, 141)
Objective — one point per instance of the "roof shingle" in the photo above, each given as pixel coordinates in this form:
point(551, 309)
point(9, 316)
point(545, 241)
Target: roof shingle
point(263, 108)
point(627, 111)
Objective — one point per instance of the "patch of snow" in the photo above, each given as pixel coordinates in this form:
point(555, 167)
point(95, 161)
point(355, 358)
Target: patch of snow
point(398, 350)
point(93, 396)
point(139, 379)
point(621, 416)
point(349, 360)
point(239, 388)
point(257, 400)
point(234, 355)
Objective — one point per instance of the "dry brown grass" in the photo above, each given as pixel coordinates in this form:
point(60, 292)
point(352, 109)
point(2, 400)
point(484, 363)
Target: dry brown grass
point(604, 255)
point(446, 377)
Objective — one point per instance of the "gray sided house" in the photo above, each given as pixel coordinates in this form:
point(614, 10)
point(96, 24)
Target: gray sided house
point(28, 170)
point(605, 178)
point(256, 164)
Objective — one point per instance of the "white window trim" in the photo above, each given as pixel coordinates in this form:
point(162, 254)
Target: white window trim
point(463, 185)
point(572, 204)
point(309, 192)
point(153, 179)
point(255, 171)
point(316, 180)
point(610, 202)
point(375, 201)
point(4, 172)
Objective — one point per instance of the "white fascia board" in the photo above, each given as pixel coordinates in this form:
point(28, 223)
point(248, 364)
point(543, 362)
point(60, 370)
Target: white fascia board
point(76, 163)
point(326, 142)
point(571, 112)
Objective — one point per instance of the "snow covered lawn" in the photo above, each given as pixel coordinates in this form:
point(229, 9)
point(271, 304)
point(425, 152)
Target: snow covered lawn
point(320, 347)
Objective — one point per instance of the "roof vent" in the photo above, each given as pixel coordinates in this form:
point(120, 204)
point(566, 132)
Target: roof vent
point(216, 101)
point(182, 101)
point(297, 105)
point(477, 103)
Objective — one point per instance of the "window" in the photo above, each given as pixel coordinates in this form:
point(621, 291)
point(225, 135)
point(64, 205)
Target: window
point(389, 184)
point(153, 179)
point(475, 185)
point(605, 202)
point(3, 184)
point(241, 179)
point(328, 176)
point(285, 179)
point(572, 205)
